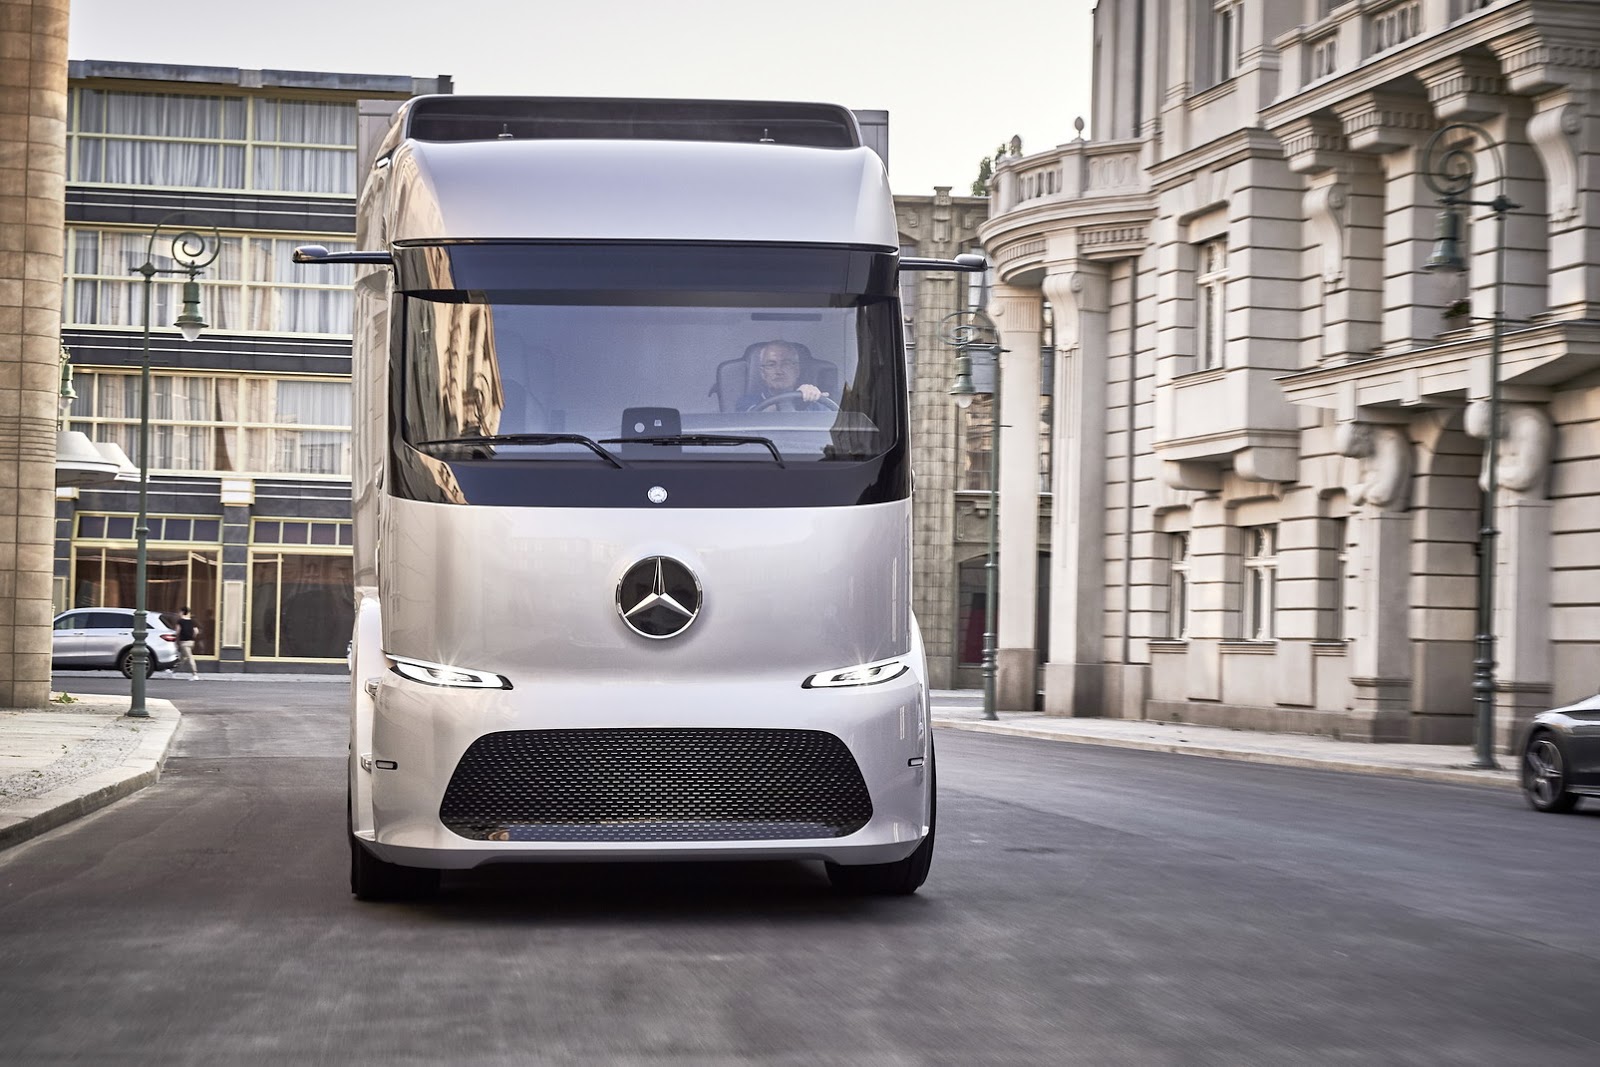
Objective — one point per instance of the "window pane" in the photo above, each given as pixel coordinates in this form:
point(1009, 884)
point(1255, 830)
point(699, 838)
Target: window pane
point(972, 611)
point(977, 443)
point(91, 110)
point(91, 158)
point(301, 606)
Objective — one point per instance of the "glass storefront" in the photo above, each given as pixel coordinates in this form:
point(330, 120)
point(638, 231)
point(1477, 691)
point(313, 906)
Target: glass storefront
point(175, 576)
point(299, 604)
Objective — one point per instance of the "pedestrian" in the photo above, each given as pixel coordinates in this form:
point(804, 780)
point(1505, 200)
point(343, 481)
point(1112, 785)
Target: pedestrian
point(188, 630)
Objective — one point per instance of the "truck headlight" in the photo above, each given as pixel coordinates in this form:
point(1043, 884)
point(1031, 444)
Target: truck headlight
point(444, 674)
point(862, 674)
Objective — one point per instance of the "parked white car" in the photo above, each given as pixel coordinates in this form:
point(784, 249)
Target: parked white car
point(92, 639)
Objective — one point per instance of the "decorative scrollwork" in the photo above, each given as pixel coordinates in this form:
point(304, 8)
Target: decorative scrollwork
point(1449, 164)
point(969, 330)
point(191, 249)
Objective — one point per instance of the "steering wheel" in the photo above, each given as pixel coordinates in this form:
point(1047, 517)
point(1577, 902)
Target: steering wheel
point(794, 394)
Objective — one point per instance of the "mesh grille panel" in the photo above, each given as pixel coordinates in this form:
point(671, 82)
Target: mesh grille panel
point(674, 784)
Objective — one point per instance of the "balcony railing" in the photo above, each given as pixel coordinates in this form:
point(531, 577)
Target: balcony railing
point(1360, 31)
point(1070, 172)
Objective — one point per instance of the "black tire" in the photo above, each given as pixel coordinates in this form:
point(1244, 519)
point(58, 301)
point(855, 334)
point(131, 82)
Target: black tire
point(1544, 774)
point(902, 877)
point(125, 663)
point(374, 879)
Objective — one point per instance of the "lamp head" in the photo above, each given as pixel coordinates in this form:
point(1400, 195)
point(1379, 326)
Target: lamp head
point(1446, 257)
point(962, 390)
point(189, 323)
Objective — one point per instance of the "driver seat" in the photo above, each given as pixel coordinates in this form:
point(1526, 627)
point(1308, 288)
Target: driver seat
point(738, 378)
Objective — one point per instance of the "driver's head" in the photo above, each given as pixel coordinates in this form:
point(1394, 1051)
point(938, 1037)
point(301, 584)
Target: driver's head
point(780, 366)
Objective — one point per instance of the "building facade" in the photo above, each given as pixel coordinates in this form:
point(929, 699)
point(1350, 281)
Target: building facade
point(1272, 418)
point(249, 497)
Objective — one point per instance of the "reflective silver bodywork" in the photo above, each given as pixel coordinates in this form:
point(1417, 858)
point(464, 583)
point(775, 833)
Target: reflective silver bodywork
point(628, 190)
point(530, 593)
point(788, 593)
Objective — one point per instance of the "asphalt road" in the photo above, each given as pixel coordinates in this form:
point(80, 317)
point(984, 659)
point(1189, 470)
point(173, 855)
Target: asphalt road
point(1087, 905)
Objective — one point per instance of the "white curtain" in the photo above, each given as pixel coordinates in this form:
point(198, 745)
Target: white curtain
point(116, 297)
point(305, 122)
point(306, 170)
point(302, 145)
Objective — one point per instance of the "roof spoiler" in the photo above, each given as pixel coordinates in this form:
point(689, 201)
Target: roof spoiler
point(502, 118)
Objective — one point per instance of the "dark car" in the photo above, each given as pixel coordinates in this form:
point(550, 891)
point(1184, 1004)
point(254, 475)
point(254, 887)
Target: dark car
point(89, 639)
point(1561, 756)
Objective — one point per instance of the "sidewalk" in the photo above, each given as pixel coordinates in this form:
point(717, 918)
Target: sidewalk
point(62, 761)
point(963, 710)
point(65, 760)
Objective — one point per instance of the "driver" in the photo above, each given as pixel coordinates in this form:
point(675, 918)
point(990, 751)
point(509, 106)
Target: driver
point(779, 362)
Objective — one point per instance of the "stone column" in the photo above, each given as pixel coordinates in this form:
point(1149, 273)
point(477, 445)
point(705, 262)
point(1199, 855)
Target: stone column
point(1017, 315)
point(33, 174)
point(1380, 654)
point(1343, 204)
point(934, 447)
point(1394, 127)
point(1522, 591)
point(1074, 675)
point(1545, 63)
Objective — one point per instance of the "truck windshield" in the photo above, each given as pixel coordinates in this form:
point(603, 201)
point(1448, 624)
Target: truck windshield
point(742, 372)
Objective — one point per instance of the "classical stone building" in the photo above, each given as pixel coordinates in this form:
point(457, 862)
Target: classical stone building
point(33, 104)
point(951, 448)
point(1271, 424)
point(249, 500)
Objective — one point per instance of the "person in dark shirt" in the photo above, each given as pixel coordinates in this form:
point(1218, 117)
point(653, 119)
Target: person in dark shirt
point(779, 365)
point(188, 631)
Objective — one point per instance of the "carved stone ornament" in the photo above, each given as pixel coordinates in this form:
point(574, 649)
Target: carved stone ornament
point(1384, 452)
point(1554, 132)
point(1526, 440)
point(1325, 212)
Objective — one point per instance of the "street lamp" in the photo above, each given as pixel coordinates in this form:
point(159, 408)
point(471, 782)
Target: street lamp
point(192, 252)
point(1452, 175)
point(968, 332)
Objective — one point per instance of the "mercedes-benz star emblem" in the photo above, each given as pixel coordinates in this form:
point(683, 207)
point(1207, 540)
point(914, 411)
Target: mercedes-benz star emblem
point(658, 597)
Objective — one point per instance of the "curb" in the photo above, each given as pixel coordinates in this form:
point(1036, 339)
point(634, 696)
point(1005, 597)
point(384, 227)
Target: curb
point(28, 819)
point(1450, 775)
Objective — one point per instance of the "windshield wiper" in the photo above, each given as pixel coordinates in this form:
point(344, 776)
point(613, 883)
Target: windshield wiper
point(528, 439)
point(699, 439)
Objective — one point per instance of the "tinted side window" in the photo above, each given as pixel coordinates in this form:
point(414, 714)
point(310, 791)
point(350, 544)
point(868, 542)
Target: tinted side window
point(110, 620)
point(71, 621)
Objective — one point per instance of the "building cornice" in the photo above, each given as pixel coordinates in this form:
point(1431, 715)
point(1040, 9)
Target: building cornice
point(1249, 143)
point(1407, 59)
point(1446, 375)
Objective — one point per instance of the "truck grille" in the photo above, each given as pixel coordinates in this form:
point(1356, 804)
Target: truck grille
point(671, 784)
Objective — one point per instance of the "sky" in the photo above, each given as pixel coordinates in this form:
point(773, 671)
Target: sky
point(955, 83)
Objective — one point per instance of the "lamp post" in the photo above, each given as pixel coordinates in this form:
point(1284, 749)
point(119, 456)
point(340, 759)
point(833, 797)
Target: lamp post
point(192, 252)
point(968, 332)
point(1451, 171)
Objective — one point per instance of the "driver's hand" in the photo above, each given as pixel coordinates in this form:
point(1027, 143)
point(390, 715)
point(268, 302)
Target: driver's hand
point(810, 393)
